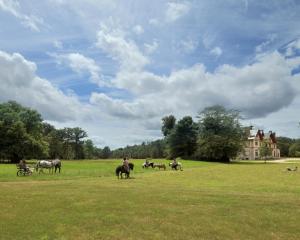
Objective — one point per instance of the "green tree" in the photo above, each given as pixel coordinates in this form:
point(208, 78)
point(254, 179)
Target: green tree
point(74, 137)
point(284, 143)
point(265, 150)
point(168, 124)
point(89, 149)
point(106, 153)
point(220, 136)
point(294, 150)
point(182, 140)
point(21, 132)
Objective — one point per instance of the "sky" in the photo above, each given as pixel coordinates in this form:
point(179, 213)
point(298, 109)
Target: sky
point(115, 68)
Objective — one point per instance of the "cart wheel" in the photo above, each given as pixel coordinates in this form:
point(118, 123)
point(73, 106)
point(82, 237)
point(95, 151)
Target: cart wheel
point(20, 173)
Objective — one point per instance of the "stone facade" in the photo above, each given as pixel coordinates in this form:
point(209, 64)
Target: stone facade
point(256, 138)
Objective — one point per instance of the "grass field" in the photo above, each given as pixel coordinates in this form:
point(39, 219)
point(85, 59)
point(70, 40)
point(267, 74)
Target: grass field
point(205, 201)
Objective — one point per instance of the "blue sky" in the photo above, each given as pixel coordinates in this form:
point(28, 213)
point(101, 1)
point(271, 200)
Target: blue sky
point(115, 68)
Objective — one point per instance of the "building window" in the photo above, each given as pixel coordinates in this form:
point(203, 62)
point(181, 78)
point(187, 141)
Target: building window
point(256, 153)
point(255, 143)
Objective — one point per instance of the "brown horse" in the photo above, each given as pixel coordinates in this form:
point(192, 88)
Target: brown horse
point(122, 169)
point(160, 166)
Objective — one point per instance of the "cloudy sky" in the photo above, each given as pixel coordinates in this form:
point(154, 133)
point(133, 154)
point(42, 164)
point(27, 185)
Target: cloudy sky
point(116, 67)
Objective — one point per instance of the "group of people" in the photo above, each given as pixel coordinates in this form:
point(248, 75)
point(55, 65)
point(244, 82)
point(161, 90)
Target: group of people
point(174, 163)
point(24, 166)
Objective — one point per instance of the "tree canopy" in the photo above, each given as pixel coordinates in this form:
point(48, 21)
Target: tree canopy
point(182, 139)
point(21, 132)
point(220, 135)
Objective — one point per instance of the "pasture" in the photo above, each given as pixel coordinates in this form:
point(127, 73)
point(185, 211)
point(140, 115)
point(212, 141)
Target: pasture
point(248, 200)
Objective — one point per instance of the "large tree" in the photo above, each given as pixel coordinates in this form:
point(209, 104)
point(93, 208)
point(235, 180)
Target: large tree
point(294, 150)
point(74, 138)
point(284, 143)
point(182, 139)
point(89, 149)
point(106, 152)
point(21, 132)
point(220, 136)
point(168, 124)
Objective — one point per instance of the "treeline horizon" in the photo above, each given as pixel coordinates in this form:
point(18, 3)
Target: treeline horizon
point(217, 136)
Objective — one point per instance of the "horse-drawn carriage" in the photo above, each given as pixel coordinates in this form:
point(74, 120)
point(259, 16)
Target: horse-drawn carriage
point(24, 171)
point(27, 170)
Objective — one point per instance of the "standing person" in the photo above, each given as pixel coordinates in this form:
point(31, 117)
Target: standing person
point(126, 164)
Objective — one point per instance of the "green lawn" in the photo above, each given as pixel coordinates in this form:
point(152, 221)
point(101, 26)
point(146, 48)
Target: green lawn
point(205, 201)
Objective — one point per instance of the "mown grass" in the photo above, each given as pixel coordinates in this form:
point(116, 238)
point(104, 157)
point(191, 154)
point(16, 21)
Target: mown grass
point(205, 201)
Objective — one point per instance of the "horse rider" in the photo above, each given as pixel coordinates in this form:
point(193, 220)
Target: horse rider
point(174, 163)
point(23, 165)
point(126, 164)
point(147, 163)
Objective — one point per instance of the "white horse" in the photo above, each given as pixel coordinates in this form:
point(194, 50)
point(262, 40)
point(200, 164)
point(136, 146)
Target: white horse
point(176, 167)
point(42, 164)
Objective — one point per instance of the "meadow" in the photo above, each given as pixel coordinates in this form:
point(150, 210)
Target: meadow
point(241, 200)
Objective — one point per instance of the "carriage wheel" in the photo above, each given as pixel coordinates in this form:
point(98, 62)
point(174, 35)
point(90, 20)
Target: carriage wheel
point(20, 173)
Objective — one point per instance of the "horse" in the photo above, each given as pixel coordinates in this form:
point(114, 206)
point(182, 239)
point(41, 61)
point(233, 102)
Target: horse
point(159, 166)
point(176, 167)
point(56, 164)
point(44, 164)
point(122, 169)
point(146, 165)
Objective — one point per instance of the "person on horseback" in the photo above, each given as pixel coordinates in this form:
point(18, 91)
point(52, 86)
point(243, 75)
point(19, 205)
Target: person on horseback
point(147, 163)
point(174, 163)
point(126, 164)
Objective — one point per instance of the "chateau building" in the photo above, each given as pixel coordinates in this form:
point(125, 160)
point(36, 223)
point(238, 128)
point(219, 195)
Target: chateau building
point(255, 140)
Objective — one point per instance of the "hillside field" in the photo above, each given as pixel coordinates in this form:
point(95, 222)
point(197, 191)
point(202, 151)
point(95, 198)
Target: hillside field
point(242, 200)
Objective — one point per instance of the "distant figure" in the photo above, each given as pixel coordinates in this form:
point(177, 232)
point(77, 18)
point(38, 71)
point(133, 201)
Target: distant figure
point(147, 162)
point(23, 165)
point(174, 163)
point(292, 169)
point(126, 164)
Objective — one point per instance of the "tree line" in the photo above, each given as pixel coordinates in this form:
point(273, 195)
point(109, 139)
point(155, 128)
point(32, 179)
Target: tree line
point(216, 136)
point(24, 135)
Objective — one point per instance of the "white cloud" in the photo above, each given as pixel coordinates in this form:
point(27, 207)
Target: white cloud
point(216, 51)
point(292, 48)
point(261, 47)
point(112, 40)
point(30, 21)
point(176, 10)
point(151, 48)
point(209, 42)
point(189, 45)
point(257, 90)
point(138, 29)
point(154, 22)
point(19, 82)
point(58, 44)
point(80, 64)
